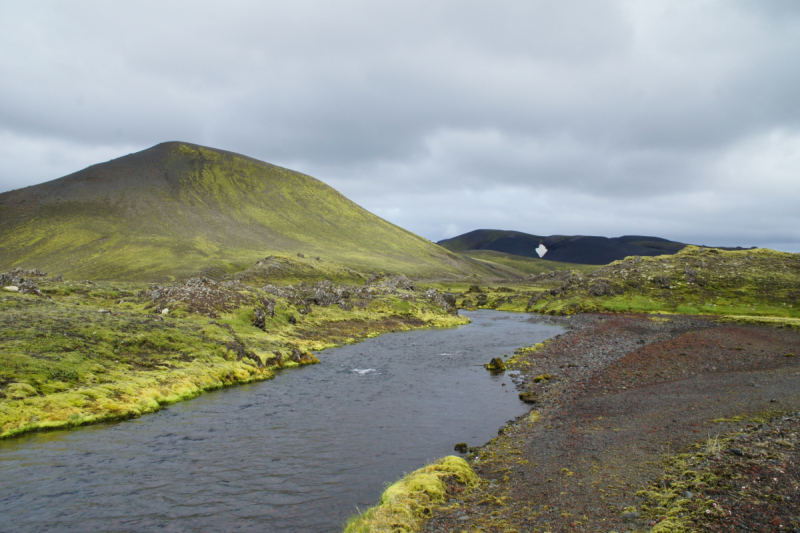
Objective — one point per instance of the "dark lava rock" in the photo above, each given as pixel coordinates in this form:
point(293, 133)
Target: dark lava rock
point(292, 319)
point(662, 281)
point(600, 288)
point(259, 319)
point(528, 396)
point(296, 355)
point(303, 358)
point(442, 301)
point(276, 360)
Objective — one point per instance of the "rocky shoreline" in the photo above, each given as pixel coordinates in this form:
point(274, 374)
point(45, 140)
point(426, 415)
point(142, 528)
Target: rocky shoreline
point(625, 394)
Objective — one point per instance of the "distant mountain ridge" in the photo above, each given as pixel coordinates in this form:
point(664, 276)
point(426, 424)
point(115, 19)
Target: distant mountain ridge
point(580, 249)
point(178, 209)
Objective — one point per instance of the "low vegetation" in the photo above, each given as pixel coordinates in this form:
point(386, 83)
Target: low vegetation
point(77, 352)
point(740, 480)
point(405, 504)
point(757, 286)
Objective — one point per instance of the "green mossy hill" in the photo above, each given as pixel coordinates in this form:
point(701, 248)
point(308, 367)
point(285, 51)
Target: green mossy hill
point(746, 283)
point(177, 210)
point(78, 352)
point(526, 265)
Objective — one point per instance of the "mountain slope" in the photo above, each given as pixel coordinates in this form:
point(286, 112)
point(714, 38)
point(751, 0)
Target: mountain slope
point(178, 209)
point(584, 250)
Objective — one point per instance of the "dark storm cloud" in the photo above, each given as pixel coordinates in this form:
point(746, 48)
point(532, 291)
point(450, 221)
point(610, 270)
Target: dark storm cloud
point(680, 119)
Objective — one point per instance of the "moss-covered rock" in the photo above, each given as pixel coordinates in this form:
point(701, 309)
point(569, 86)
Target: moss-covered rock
point(495, 365)
point(529, 396)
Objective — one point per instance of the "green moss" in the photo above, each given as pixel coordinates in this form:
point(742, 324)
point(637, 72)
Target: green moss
point(65, 364)
point(694, 470)
point(405, 504)
point(515, 360)
point(495, 365)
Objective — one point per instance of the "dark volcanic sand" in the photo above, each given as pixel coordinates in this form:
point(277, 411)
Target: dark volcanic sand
point(628, 390)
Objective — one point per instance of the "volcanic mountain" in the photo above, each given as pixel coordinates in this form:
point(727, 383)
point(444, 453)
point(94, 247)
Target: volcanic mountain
point(178, 209)
point(584, 250)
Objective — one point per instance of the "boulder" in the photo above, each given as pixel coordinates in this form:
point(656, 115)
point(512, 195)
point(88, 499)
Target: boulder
point(528, 396)
point(260, 319)
point(438, 299)
point(296, 355)
point(662, 281)
point(303, 358)
point(276, 360)
point(308, 359)
point(600, 288)
point(27, 287)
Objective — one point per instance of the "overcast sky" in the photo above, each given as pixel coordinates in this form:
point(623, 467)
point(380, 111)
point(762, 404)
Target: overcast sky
point(679, 119)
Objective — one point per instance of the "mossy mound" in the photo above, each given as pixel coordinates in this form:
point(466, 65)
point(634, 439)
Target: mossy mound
point(405, 504)
point(747, 283)
point(495, 365)
point(529, 396)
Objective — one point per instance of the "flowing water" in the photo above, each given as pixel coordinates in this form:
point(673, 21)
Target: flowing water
point(297, 453)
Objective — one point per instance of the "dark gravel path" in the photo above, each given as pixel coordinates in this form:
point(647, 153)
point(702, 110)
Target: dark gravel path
point(626, 391)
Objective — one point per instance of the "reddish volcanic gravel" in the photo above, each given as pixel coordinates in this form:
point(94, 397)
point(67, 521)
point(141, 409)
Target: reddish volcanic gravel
point(626, 391)
point(758, 487)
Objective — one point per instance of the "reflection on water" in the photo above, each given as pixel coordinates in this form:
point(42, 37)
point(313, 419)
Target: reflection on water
point(298, 453)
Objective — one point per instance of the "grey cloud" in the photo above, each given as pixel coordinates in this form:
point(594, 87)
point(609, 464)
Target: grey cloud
point(626, 103)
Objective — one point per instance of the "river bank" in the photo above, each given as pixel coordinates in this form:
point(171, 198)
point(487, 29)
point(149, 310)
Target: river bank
point(615, 397)
point(81, 352)
point(301, 452)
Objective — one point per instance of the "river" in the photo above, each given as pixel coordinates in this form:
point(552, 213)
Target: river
point(298, 453)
